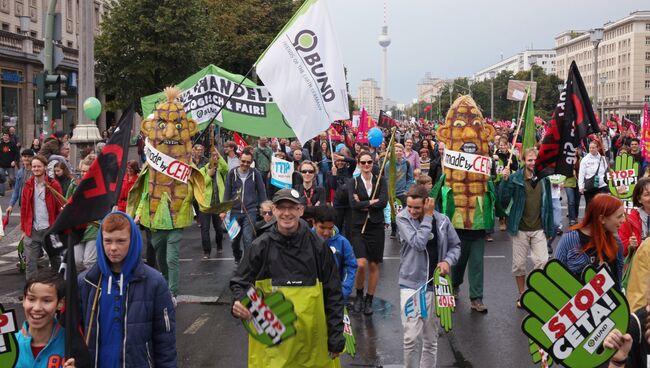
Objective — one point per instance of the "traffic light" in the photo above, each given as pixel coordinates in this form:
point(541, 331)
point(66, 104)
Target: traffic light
point(49, 88)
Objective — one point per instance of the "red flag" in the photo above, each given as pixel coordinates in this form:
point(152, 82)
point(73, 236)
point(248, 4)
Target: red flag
point(645, 133)
point(240, 142)
point(364, 122)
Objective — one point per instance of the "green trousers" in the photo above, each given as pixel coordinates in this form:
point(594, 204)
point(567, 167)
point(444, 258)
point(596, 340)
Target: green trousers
point(471, 254)
point(167, 245)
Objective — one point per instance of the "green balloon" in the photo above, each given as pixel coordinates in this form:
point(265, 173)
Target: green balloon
point(92, 108)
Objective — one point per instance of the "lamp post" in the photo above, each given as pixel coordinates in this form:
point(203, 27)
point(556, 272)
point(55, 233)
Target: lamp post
point(603, 81)
point(492, 76)
point(595, 35)
point(532, 61)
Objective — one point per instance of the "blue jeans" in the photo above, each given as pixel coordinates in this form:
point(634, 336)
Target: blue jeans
point(5, 175)
point(246, 234)
point(573, 202)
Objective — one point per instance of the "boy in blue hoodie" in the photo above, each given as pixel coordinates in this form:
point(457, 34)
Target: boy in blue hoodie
point(325, 218)
point(133, 324)
point(41, 340)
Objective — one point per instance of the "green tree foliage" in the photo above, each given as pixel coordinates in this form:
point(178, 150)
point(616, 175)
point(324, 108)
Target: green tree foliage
point(146, 45)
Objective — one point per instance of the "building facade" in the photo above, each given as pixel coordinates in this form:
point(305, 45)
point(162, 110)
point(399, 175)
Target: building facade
point(623, 54)
point(521, 61)
point(21, 59)
point(429, 88)
point(369, 96)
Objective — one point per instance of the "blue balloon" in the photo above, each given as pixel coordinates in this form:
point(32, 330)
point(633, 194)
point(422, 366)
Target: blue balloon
point(375, 137)
point(339, 147)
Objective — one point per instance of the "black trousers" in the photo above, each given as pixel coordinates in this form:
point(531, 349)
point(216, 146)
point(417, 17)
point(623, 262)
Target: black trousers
point(205, 219)
point(344, 221)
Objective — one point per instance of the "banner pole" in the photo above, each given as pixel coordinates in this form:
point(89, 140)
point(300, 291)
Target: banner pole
point(381, 172)
point(514, 140)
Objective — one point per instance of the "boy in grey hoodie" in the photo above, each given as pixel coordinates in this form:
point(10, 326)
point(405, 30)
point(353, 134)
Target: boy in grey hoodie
point(428, 241)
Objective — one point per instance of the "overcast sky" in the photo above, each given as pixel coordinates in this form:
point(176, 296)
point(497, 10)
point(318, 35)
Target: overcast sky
point(455, 38)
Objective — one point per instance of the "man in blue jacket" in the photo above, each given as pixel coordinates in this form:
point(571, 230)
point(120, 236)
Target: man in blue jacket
point(428, 241)
point(133, 324)
point(325, 218)
point(530, 221)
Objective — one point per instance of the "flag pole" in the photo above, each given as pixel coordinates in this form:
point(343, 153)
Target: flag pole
point(514, 140)
point(69, 323)
point(381, 172)
point(223, 105)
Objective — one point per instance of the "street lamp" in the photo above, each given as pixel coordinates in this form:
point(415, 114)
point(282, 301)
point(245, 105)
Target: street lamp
point(532, 61)
point(492, 76)
point(595, 35)
point(603, 81)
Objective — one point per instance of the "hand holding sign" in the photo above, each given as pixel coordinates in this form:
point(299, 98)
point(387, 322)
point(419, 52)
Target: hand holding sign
point(568, 318)
point(350, 341)
point(445, 301)
point(272, 317)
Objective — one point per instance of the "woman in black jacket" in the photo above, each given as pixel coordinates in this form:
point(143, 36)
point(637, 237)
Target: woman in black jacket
point(311, 195)
point(368, 196)
point(342, 171)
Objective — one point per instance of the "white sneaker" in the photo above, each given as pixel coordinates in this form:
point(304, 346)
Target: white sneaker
point(174, 301)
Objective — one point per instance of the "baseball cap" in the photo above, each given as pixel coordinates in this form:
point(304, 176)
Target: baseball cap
point(287, 194)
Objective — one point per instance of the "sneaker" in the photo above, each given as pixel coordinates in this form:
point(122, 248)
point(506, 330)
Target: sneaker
point(489, 238)
point(359, 304)
point(206, 255)
point(392, 235)
point(477, 305)
point(367, 309)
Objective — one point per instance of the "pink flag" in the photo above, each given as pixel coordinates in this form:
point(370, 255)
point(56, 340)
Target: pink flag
point(364, 121)
point(645, 133)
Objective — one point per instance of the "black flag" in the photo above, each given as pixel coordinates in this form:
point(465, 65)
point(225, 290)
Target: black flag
point(93, 199)
point(572, 121)
point(386, 121)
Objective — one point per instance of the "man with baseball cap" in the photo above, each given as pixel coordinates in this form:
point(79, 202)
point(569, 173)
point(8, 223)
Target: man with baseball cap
point(291, 259)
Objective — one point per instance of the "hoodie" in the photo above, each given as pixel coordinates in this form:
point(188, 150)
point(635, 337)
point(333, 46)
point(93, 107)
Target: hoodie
point(345, 259)
point(111, 303)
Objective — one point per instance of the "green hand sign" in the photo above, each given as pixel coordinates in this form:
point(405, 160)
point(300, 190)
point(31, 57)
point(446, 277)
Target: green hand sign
point(539, 355)
point(273, 317)
point(9, 350)
point(624, 175)
point(444, 299)
point(569, 318)
point(350, 341)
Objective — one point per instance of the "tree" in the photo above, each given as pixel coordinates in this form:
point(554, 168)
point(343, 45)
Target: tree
point(145, 45)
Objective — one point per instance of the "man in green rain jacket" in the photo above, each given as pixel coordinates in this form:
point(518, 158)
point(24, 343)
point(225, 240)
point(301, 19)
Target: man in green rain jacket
point(291, 259)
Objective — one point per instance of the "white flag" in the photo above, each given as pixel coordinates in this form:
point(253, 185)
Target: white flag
point(416, 304)
point(303, 70)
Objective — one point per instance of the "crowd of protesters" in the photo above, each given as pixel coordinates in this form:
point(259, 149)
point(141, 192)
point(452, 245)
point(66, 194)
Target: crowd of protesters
point(331, 226)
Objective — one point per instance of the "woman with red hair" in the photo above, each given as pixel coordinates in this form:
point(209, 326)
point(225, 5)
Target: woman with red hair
point(592, 242)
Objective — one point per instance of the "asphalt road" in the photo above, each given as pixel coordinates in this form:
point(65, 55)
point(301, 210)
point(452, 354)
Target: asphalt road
point(208, 336)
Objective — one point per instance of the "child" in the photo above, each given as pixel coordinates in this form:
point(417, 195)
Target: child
point(346, 262)
point(41, 341)
point(426, 181)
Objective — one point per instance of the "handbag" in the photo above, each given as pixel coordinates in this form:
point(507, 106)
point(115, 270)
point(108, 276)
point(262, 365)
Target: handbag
point(590, 183)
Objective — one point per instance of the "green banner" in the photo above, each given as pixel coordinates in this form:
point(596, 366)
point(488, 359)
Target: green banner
point(251, 109)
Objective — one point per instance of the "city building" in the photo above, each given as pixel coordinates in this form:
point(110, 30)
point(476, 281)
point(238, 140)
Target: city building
point(521, 61)
point(614, 62)
point(429, 87)
point(369, 96)
point(20, 60)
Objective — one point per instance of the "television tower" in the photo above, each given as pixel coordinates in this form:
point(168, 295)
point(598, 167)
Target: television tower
point(384, 42)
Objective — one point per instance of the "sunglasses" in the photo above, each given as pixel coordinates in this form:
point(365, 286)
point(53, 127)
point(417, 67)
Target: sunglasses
point(366, 162)
point(307, 171)
point(267, 213)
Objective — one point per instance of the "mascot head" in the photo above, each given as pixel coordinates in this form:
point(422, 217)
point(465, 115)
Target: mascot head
point(168, 128)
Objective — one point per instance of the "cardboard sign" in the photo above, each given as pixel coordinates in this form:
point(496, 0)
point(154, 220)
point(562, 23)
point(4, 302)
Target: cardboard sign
point(167, 165)
point(517, 89)
point(445, 301)
point(478, 164)
point(281, 172)
point(350, 341)
point(583, 313)
point(8, 342)
point(623, 178)
point(416, 304)
point(273, 317)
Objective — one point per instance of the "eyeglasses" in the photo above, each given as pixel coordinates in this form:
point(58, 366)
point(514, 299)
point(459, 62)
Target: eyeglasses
point(267, 213)
point(365, 162)
point(307, 171)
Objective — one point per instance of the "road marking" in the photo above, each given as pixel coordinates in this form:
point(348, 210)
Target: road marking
point(209, 259)
point(9, 300)
point(499, 257)
point(398, 258)
point(194, 327)
point(194, 299)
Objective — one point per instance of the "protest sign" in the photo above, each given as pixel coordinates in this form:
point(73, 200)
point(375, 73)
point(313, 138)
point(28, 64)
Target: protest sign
point(517, 89)
point(416, 304)
point(539, 356)
point(570, 318)
point(281, 172)
point(478, 164)
point(445, 301)
point(350, 341)
point(8, 343)
point(165, 164)
point(623, 179)
point(273, 316)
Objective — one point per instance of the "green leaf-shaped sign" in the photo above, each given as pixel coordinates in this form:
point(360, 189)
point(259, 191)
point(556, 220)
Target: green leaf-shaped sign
point(273, 316)
point(624, 176)
point(9, 350)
